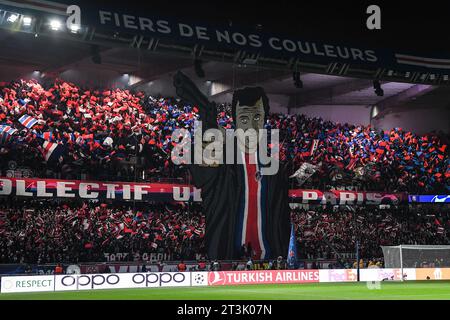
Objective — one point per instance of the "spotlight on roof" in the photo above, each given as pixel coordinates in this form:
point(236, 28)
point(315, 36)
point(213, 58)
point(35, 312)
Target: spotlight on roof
point(390, 73)
point(445, 77)
point(55, 25)
point(198, 68)
point(407, 74)
point(12, 18)
point(432, 77)
point(27, 21)
point(125, 78)
point(377, 86)
point(298, 83)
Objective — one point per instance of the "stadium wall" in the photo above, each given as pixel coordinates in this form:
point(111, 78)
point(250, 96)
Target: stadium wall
point(420, 121)
point(352, 114)
point(11, 73)
point(95, 77)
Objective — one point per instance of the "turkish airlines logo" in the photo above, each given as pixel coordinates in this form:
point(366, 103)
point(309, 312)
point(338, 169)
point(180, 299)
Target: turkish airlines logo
point(216, 278)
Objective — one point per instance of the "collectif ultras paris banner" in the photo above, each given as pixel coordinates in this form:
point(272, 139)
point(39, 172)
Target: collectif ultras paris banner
point(125, 191)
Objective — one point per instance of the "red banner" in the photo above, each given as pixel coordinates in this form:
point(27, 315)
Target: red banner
point(52, 188)
point(340, 197)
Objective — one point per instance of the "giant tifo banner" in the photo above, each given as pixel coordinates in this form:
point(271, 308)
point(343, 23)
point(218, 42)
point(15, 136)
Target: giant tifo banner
point(76, 189)
point(75, 282)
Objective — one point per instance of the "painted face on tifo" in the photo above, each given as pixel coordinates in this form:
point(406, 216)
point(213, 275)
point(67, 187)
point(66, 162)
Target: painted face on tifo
point(250, 117)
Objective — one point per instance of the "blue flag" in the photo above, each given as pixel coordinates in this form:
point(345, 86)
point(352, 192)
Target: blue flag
point(292, 252)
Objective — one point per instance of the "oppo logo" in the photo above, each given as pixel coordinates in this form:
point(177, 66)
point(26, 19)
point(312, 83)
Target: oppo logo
point(150, 279)
point(89, 281)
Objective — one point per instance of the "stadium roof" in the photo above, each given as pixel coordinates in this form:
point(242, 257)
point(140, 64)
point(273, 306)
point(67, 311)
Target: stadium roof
point(23, 53)
point(411, 26)
point(329, 40)
point(57, 54)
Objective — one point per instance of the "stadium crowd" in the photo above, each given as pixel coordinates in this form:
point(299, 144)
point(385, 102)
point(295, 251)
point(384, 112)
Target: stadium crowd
point(64, 131)
point(329, 232)
point(70, 232)
point(46, 232)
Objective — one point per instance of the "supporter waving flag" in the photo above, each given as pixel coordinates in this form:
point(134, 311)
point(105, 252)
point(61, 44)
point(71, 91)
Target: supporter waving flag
point(7, 129)
point(4, 138)
point(27, 121)
point(46, 136)
point(52, 151)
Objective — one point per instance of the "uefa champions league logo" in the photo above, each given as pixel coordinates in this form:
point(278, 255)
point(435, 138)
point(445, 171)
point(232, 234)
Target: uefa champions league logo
point(373, 285)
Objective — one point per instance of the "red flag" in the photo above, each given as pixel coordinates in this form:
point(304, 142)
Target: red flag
point(127, 230)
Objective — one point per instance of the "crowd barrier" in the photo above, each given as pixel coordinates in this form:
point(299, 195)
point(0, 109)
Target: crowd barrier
point(75, 282)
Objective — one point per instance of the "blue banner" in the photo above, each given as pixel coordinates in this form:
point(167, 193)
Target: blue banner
point(292, 252)
point(429, 198)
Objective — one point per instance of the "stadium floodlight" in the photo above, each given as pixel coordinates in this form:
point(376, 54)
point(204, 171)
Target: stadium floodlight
point(445, 77)
point(390, 73)
point(432, 77)
point(12, 18)
point(126, 78)
point(55, 25)
point(27, 21)
point(407, 74)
